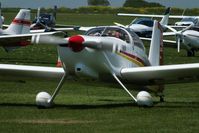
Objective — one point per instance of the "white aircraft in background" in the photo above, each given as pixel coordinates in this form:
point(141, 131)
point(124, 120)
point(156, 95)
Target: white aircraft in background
point(143, 26)
point(18, 32)
point(101, 54)
point(188, 36)
point(186, 20)
point(20, 25)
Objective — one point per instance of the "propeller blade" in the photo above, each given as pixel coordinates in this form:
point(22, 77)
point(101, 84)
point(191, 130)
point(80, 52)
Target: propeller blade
point(172, 29)
point(38, 14)
point(44, 39)
point(188, 27)
point(118, 24)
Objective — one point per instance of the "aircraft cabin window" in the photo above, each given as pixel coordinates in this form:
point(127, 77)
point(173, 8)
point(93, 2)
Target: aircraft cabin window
point(109, 32)
point(136, 39)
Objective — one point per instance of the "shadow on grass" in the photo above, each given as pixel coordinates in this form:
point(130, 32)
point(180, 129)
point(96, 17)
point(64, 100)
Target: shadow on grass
point(110, 106)
point(177, 105)
point(82, 106)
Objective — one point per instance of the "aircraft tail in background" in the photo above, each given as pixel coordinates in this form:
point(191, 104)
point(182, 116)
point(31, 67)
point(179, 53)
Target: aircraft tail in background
point(21, 23)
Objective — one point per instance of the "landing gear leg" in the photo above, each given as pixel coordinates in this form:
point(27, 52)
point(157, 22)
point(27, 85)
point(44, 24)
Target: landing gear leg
point(50, 101)
point(124, 88)
point(44, 100)
point(191, 53)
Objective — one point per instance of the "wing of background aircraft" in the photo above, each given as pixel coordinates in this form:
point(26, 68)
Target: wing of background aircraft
point(152, 16)
point(10, 42)
point(167, 41)
point(53, 29)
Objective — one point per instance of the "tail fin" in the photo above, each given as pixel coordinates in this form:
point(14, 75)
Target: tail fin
point(156, 47)
point(54, 11)
point(21, 23)
point(165, 19)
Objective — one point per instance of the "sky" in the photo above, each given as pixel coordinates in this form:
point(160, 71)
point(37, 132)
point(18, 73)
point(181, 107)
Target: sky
point(76, 3)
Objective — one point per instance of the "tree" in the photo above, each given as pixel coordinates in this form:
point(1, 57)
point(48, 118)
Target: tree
point(99, 2)
point(140, 3)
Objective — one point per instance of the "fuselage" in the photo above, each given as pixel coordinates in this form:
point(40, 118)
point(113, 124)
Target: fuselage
point(98, 63)
point(191, 39)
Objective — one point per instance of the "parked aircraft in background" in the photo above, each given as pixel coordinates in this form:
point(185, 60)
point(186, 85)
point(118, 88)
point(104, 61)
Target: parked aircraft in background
point(18, 32)
point(143, 27)
point(108, 53)
point(186, 20)
point(46, 21)
point(20, 25)
point(188, 36)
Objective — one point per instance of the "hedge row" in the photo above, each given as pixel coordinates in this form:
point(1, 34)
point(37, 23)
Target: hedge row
point(109, 10)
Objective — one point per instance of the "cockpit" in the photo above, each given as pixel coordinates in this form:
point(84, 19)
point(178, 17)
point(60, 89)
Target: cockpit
point(44, 16)
point(143, 21)
point(194, 20)
point(127, 35)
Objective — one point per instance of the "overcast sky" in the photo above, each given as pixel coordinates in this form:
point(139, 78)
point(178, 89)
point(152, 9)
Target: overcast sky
point(77, 3)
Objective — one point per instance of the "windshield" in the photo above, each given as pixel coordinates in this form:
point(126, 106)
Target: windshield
point(147, 22)
point(194, 20)
point(136, 39)
point(109, 32)
point(44, 16)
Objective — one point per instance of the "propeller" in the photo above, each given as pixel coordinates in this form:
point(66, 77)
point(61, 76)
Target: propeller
point(179, 35)
point(47, 39)
point(38, 22)
point(77, 42)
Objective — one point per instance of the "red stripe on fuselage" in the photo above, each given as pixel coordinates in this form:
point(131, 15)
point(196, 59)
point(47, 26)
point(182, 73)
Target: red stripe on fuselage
point(22, 22)
point(134, 57)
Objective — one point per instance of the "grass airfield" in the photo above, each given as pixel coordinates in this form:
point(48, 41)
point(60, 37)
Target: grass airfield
point(92, 107)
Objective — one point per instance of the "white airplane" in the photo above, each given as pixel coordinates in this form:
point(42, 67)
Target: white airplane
point(20, 25)
point(143, 27)
point(188, 36)
point(18, 32)
point(101, 54)
point(186, 20)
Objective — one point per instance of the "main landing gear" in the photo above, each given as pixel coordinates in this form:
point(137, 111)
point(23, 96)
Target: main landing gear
point(143, 97)
point(44, 100)
point(191, 53)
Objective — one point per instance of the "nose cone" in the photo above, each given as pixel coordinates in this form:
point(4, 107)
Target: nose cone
point(75, 43)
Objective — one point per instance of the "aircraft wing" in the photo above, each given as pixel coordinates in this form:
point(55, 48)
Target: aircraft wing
point(23, 71)
point(153, 16)
point(169, 33)
point(153, 75)
point(81, 28)
point(53, 30)
point(8, 39)
point(61, 25)
point(15, 38)
point(167, 41)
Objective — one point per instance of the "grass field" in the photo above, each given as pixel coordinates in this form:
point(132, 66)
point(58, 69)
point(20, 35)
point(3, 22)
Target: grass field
point(92, 107)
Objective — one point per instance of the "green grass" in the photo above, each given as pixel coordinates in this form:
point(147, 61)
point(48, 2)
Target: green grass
point(92, 107)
